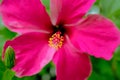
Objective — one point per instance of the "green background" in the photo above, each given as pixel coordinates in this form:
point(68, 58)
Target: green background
point(102, 70)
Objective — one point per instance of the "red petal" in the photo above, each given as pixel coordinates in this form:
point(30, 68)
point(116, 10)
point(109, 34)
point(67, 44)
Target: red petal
point(69, 11)
point(32, 53)
point(96, 36)
point(72, 65)
point(25, 16)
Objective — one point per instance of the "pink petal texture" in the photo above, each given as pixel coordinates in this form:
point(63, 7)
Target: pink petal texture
point(25, 16)
point(32, 53)
point(69, 11)
point(96, 36)
point(71, 65)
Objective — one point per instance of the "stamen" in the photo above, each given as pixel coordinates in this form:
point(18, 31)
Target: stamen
point(56, 40)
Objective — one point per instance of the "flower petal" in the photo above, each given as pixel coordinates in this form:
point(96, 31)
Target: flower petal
point(96, 36)
point(32, 53)
point(25, 16)
point(69, 12)
point(71, 65)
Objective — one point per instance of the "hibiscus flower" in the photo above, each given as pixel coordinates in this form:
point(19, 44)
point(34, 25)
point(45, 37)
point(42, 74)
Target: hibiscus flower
point(66, 37)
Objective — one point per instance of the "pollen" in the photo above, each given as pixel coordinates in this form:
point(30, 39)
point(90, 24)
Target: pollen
point(56, 40)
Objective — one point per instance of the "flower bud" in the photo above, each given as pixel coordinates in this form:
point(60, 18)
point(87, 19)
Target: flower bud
point(9, 58)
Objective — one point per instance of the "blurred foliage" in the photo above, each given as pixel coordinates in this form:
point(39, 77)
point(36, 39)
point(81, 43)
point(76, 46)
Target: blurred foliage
point(102, 70)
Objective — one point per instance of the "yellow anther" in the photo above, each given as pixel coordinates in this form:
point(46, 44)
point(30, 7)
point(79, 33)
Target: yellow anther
point(56, 40)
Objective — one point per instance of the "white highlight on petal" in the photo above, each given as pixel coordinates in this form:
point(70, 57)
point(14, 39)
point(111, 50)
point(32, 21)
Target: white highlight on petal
point(16, 25)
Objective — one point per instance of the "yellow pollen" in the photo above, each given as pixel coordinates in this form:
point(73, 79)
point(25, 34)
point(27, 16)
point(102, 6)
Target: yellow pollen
point(56, 40)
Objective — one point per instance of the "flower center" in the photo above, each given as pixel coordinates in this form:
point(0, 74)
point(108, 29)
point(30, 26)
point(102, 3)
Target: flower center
point(56, 40)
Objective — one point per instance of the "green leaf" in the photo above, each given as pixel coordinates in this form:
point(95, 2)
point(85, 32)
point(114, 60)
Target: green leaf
point(8, 75)
point(7, 34)
point(46, 4)
point(2, 41)
point(9, 58)
point(2, 68)
point(0, 1)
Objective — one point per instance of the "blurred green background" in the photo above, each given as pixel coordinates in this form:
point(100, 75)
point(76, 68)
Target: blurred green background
point(102, 70)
